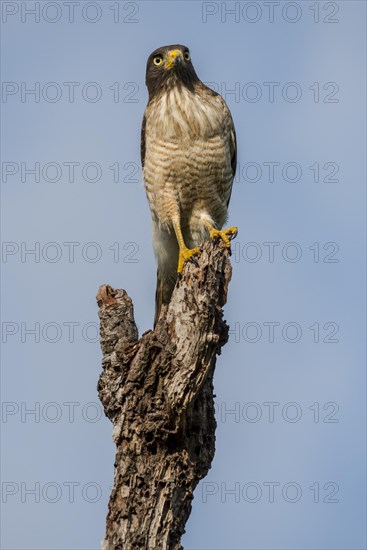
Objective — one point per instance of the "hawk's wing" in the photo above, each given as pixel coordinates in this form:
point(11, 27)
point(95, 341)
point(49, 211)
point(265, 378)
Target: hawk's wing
point(142, 140)
point(228, 123)
point(233, 149)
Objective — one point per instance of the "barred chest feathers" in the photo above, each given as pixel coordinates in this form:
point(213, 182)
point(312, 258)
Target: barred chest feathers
point(181, 113)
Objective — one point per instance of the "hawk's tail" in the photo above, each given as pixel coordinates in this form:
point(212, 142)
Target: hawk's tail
point(163, 293)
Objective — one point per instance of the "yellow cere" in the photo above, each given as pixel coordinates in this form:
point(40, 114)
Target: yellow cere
point(172, 54)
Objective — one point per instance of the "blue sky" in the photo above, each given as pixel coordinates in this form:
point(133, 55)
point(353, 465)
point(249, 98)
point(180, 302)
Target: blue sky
point(289, 469)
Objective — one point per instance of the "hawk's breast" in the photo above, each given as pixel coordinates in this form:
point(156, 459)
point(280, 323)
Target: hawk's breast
point(188, 157)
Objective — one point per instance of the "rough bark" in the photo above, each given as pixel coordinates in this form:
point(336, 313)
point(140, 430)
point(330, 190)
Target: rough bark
point(158, 393)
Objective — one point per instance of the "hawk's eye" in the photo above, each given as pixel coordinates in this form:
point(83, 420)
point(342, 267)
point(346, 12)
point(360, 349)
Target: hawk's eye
point(187, 55)
point(157, 60)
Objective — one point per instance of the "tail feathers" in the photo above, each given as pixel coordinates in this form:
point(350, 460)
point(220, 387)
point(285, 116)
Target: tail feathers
point(163, 293)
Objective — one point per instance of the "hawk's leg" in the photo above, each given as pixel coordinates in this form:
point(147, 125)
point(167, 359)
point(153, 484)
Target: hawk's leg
point(225, 234)
point(185, 254)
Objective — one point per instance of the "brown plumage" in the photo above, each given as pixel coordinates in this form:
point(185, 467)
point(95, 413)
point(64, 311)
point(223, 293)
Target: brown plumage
point(188, 152)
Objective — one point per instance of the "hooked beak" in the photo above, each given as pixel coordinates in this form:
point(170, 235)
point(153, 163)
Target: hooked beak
point(174, 57)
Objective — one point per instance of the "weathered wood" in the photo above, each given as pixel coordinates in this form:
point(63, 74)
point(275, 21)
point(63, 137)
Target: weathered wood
point(158, 392)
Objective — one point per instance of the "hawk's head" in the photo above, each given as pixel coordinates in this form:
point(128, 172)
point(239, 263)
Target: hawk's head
point(170, 66)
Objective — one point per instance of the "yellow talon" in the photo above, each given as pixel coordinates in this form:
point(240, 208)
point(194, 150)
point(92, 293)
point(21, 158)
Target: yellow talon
point(225, 234)
point(185, 255)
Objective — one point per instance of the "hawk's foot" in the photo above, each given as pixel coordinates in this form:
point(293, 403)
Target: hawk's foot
point(185, 255)
point(225, 234)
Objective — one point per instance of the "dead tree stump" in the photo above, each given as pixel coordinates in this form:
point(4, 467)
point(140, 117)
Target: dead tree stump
point(158, 393)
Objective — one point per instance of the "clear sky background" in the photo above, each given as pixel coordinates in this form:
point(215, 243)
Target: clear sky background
point(290, 461)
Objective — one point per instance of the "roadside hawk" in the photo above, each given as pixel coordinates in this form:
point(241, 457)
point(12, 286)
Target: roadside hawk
point(188, 153)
